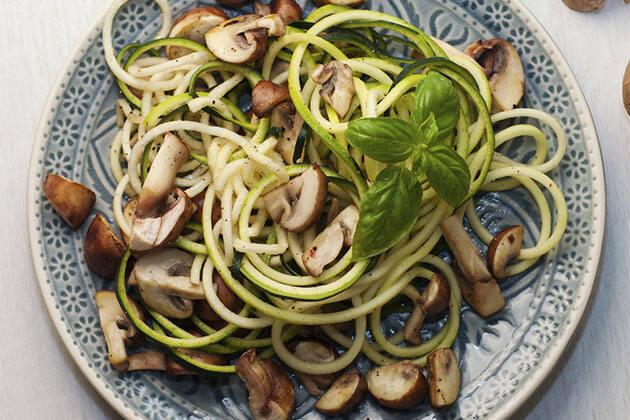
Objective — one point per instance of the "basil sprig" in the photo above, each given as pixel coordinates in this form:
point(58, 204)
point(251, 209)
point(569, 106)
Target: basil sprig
point(391, 206)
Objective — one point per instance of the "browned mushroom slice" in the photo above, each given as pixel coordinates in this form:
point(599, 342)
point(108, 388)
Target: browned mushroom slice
point(347, 3)
point(625, 88)
point(119, 332)
point(244, 38)
point(175, 368)
point(298, 204)
point(193, 25)
point(314, 351)
point(400, 386)
point(433, 300)
point(128, 212)
point(147, 360)
point(101, 248)
point(262, 8)
point(327, 245)
point(585, 5)
point(163, 279)
point(505, 246)
point(345, 394)
point(483, 297)
point(288, 10)
point(225, 295)
point(466, 254)
point(271, 393)
point(286, 117)
point(151, 233)
point(267, 95)
point(71, 200)
point(443, 376)
point(504, 70)
point(337, 85)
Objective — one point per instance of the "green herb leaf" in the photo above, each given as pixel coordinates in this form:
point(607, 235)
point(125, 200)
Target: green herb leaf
point(447, 172)
point(385, 139)
point(428, 131)
point(436, 94)
point(388, 212)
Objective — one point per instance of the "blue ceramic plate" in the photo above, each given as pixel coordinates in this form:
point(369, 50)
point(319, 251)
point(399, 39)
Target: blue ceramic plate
point(503, 359)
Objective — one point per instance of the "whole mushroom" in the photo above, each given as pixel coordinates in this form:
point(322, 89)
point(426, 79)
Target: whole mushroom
point(585, 5)
point(243, 39)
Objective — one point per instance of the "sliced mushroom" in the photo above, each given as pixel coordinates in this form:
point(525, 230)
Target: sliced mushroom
point(286, 117)
point(159, 182)
point(314, 351)
point(585, 5)
point(347, 3)
point(433, 300)
point(147, 360)
point(271, 393)
point(505, 246)
point(179, 366)
point(337, 85)
point(466, 254)
point(243, 38)
point(151, 233)
point(198, 202)
point(128, 212)
point(443, 376)
point(163, 279)
point(625, 88)
point(504, 70)
point(400, 386)
point(345, 394)
point(193, 25)
point(298, 204)
point(101, 248)
point(483, 297)
point(262, 8)
point(288, 10)
point(267, 95)
point(225, 295)
point(119, 332)
point(71, 200)
point(327, 245)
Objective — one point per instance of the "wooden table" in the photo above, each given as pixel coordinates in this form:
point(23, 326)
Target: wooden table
point(38, 379)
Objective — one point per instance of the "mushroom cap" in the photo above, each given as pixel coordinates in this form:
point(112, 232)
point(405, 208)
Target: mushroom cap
point(285, 116)
point(271, 392)
point(267, 95)
point(163, 279)
point(314, 350)
point(466, 254)
point(193, 25)
point(147, 360)
point(261, 8)
point(443, 376)
point(225, 295)
point(327, 245)
point(297, 204)
point(433, 300)
point(625, 88)
point(244, 38)
point(504, 246)
point(288, 10)
point(337, 85)
point(344, 395)
point(400, 386)
point(71, 200)
point(504, 70)
point(128, 212)
point(101, 248)
point(347, 3)
point(151, 233)
point(585, 5)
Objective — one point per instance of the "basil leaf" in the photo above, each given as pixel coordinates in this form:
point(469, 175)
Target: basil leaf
point(385, 139)
point(388, 212)
point(447, 172)
point(436, 94)
point(428, 131)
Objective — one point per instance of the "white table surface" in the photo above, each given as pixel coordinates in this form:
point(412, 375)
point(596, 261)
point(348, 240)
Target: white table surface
point(38, 379)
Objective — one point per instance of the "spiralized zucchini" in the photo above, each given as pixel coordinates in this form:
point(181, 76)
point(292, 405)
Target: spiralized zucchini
point(233, 159)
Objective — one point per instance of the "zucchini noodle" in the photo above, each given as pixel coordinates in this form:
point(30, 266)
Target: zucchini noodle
point(234, 162)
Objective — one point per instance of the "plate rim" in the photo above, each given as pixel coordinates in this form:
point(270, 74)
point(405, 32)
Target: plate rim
point(554, 353)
